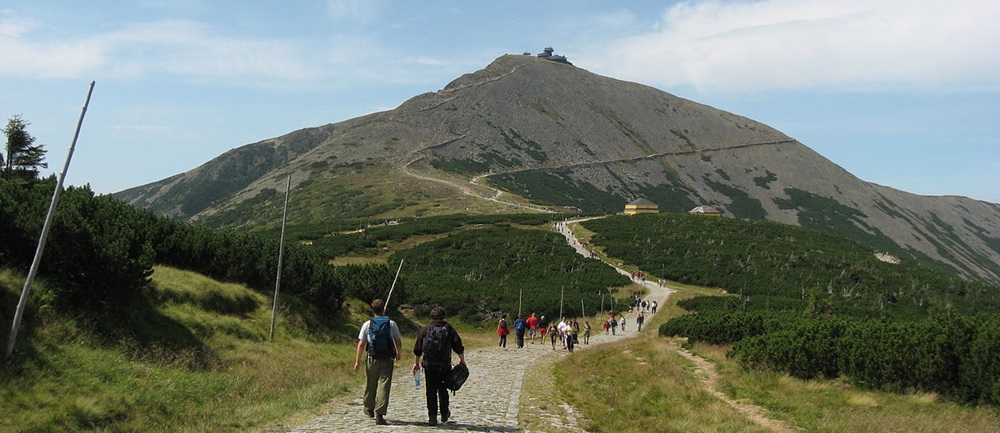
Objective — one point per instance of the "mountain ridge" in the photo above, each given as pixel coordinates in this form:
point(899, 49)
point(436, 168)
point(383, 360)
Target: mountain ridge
point(530, 130)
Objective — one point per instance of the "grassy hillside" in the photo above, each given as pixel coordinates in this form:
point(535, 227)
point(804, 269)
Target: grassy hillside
point(644, 384)
point(197, 358)
point(780, 267)
point(199, 361)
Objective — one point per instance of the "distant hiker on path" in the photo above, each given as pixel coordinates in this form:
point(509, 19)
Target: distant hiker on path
point(570, 337)
point(519, 327)
point(380, 338)
point(586, 333)
point(639, 321)
point(553, 333)
point(434, 344)
point(532, 327)
point(503, 330)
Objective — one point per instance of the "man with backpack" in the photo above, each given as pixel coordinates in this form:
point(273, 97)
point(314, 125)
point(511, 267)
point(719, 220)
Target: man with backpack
point(519, 327)
point(380, 339)
point(434, 345)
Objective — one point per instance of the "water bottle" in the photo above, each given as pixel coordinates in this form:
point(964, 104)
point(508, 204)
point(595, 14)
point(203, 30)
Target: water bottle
point(416, 379)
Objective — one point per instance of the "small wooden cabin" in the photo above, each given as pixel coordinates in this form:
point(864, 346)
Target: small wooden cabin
point(641, 205)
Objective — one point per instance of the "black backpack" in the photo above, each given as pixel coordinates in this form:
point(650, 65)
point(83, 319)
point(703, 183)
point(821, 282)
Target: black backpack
point(380, 344)
point(437, 347)
point(456, 377)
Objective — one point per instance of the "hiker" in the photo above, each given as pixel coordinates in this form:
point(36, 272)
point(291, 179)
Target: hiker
point(434, 344)
point(502, 331)
point(586, 333)
point(561, 327)
point(639, 320)
point(532, 327)
point(553, 333)
point(622, 323)
point(519, 327)
point(614, 325)
point(543, 327)
point(570, 337)
point(607, 326)
point(380, 338)
point(654, 307)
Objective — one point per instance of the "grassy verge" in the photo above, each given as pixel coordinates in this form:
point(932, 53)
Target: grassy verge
point(641, 385)
point(226, 378)
point(837, 406)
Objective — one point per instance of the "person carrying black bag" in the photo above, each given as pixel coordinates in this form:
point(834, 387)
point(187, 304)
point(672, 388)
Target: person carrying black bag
point(434, 345)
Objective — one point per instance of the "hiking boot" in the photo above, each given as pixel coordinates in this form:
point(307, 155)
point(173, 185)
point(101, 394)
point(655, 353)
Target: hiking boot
point(380, 420)
point(432, 421)
point(445, 416)
point(370, 413)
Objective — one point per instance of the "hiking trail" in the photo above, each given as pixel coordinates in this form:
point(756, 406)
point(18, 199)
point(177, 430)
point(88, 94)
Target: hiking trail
point(491, 399)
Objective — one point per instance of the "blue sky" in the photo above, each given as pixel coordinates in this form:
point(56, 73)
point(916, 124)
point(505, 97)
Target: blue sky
point(903, 93)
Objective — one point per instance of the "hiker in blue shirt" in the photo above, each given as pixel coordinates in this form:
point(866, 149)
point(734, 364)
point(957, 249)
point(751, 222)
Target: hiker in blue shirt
point(519, 327)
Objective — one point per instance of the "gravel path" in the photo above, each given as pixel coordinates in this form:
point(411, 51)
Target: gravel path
point(489, 401)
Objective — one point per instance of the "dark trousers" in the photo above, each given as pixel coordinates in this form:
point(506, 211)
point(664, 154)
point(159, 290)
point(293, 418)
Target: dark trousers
point(520, 338)
point(436, 393)
point(503, 341)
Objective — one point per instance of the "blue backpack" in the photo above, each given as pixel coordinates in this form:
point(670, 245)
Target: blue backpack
point(519, 324)
point(380, 344)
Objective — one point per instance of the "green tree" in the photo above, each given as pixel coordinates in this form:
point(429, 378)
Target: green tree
point(23, 156)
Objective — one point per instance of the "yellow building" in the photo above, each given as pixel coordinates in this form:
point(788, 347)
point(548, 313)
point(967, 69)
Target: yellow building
point(641, 206)
point(705, 210)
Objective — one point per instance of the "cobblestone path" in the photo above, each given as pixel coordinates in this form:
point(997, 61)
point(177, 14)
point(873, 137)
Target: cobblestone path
point(489, 400)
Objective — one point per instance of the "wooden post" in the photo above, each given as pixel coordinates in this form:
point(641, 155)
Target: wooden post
point(22, 303)
point(281, 253)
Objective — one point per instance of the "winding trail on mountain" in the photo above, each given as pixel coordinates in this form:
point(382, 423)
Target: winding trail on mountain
point(497, 193)
point(491, 399)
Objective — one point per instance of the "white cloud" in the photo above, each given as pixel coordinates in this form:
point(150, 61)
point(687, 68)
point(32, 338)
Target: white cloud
point(726, 46)
point(182, 48)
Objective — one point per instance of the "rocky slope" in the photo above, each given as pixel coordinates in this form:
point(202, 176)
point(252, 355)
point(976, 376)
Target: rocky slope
point(525, 129)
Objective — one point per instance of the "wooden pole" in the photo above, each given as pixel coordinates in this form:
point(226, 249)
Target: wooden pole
point(519, 292)
point(562, 291)
point(281, 254)
point(385, 306)
point(22, 303)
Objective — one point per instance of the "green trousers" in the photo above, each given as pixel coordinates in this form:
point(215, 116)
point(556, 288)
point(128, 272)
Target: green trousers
point(379, 374)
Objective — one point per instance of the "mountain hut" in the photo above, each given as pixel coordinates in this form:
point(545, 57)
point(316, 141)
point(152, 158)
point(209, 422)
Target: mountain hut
point(705, 210)
point(641, 205)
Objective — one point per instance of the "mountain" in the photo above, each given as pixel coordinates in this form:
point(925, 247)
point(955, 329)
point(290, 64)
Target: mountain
point(529, 133)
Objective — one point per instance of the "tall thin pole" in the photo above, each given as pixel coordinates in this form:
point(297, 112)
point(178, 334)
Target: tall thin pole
point(583, 312)
point(385, 306)
point(519, 292)
point(22, 303)
point(562, 291)
point(281, 254)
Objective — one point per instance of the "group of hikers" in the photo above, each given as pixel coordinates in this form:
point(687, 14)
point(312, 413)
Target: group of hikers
point(381, 341)
point(566, 331)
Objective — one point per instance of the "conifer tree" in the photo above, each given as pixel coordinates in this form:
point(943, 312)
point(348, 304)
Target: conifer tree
point(23, 157)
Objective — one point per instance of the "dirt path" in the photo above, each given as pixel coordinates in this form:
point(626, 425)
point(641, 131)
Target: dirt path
point(491, 400)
